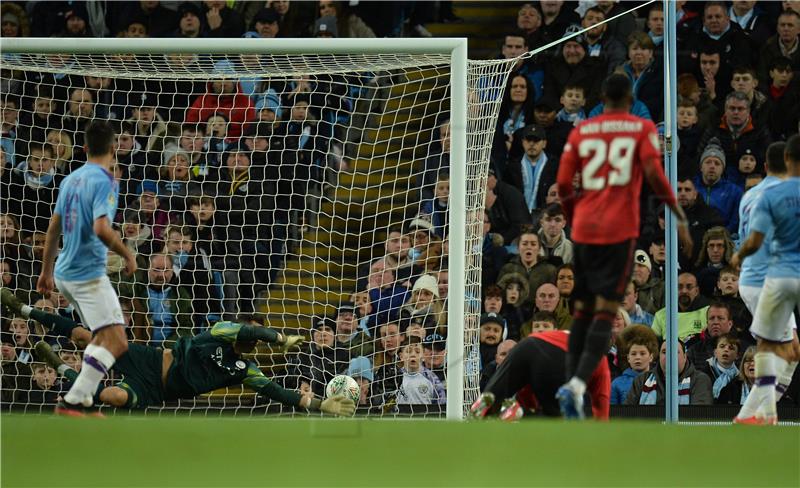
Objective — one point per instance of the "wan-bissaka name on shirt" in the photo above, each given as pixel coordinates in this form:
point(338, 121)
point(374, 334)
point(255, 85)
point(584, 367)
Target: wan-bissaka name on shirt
point(611, 126)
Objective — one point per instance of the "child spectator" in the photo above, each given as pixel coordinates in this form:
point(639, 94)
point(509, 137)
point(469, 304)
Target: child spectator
point(737, 390)
point(21, 334)
point(694, 387)
point(721, 367)
point(540, 322)
point(573, 100)
point(42, 390)
point(728, 292)
point(748, 164)
point(784, 93)
point(493, 300)
point(436, 210)
point(516, 309)
point(434, 350)
point(420, 386)
point(689, 135)
point(641, 345)
point(364, 308)
point(360, 369)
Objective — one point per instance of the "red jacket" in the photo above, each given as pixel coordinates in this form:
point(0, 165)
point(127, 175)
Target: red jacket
point(237, 108)
point(599, 384)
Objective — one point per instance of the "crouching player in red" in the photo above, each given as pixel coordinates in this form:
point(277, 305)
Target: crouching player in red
point(533, 371)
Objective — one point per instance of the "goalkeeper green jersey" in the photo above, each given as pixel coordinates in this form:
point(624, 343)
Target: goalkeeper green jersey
point(207, 361)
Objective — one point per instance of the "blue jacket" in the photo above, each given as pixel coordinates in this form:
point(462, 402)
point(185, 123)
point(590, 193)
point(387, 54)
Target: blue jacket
point(724, 196)
point(622, 385)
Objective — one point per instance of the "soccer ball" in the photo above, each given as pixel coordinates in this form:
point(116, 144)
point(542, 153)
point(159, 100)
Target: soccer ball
point(343, 385)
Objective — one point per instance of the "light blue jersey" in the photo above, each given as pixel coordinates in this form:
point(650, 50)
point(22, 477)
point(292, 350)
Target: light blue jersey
point(779, 208)
point(754, 267)
point(84, 196)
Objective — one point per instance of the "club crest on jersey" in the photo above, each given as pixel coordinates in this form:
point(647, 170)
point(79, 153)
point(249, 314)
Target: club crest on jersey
point(241, 364)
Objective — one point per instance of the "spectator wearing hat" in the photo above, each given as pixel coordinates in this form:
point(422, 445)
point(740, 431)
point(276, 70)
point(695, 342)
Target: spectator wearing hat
point(492, 332)
point(14, 21)
point(151, 129)
point(345, 22)
point(599, 43)
point(784, 44)
point(535, 171)
point(506, 208)
point(265, 24)
point(219, 20)
point(76, 22)
point(360, 369)
point(317, 361)
point(223, 96)
point(434, 355)
point(573, 66)
point(189, 23)
point(350, 340)
point(153, 212)
point(426, 303)
point(716, 191)
point(545, 115)
point(326, 27)
point(555, 20)
point(650, 288)
point(529, 262)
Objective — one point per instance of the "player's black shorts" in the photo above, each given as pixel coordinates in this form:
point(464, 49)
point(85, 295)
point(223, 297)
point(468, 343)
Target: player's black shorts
point(535, 363)
point(140, 368)
point(602, 269)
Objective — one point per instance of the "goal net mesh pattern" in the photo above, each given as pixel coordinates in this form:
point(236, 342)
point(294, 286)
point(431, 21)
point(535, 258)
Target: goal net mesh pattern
point(280, 186)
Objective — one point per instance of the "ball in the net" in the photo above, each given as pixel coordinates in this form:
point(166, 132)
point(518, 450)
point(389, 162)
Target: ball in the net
point(343, 385)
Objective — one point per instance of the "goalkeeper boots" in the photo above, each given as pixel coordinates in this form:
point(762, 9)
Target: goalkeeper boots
point(756, 420)
point(44, 353)
point(480, 409)
point(570, 403)
point(512, 411)
point(10, 301)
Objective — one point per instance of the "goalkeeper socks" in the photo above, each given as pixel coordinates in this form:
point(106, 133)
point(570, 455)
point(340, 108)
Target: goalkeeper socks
point(58, 325)
point(596, 345)
point(96, 363)
point(68, 373)
point(784, 380)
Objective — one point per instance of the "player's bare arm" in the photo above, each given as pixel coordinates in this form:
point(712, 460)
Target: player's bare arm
point(46, 284)
point(750, 246)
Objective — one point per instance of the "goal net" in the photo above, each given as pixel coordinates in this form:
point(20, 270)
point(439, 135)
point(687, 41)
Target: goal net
point(315, 192)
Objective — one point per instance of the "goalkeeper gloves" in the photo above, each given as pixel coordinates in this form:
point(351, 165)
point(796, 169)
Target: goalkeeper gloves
point(338, 405)
point(288, 342)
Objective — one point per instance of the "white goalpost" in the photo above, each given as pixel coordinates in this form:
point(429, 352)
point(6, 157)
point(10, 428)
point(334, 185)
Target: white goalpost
point(276, 176)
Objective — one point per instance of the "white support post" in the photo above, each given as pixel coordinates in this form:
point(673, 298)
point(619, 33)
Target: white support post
point(456, 355)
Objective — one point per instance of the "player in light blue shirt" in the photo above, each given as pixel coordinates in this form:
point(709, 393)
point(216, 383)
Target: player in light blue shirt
point(85, 209)
point(776, 210)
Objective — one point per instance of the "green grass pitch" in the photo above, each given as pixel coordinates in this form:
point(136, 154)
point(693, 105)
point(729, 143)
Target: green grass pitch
point(122, 451)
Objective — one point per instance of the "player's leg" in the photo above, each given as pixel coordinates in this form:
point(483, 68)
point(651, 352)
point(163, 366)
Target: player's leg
point(99, 309)
point(54, 323)
point(583, 309)
point(775, 348)
point(510, 376)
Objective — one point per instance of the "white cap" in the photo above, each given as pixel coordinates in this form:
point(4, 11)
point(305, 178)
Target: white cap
point(427, 282)
point(642, 258)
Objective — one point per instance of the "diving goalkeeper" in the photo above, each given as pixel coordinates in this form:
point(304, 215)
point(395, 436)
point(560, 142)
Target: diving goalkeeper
point(196, 365)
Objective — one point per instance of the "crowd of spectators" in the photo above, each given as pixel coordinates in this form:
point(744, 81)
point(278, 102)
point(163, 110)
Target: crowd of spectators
point(206, 171)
